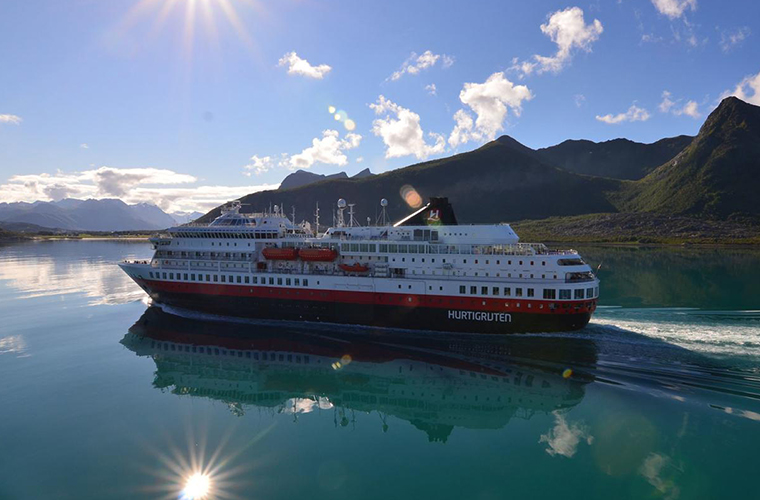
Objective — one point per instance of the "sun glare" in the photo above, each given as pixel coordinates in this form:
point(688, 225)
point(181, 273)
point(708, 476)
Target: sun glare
point(197, 487)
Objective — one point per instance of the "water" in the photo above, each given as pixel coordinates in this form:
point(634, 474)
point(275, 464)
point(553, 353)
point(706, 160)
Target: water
point(102, 396)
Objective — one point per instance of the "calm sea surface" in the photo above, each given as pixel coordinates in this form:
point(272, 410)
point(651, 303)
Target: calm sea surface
point(103, 396)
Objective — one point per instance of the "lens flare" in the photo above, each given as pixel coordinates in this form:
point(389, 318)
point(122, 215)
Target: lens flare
point(197, 487)
point(331, 110)
point(411, 196)
point(567, 373)
point(349, 124)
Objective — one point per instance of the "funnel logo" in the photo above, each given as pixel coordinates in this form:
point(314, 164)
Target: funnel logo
point(435, 216)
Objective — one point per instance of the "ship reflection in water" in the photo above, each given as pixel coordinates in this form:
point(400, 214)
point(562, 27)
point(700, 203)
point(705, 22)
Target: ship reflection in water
point(437, 383)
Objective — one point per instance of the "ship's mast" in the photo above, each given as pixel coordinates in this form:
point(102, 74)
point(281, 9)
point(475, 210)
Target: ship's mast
point(316, 221)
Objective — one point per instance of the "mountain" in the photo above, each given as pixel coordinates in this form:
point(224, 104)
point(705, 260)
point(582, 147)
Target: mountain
point(85, 215)
point(302, 178)
point(502, 180)
point(185, 217)
point(716, 176)
point(364, 173)
point(152, 214)
point(618, 158)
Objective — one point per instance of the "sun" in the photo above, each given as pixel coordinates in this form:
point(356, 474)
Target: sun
point(197, 487)
point(192, 14)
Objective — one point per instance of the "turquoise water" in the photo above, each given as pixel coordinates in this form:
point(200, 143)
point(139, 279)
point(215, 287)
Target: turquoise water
point(103, 396)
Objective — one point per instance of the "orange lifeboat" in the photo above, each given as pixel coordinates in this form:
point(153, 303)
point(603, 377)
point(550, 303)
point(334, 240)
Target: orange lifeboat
point(317, 254)
point(272, 253)
point(354, 268)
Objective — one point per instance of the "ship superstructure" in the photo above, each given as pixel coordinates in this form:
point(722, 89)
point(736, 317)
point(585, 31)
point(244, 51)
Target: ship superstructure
point(424, 272)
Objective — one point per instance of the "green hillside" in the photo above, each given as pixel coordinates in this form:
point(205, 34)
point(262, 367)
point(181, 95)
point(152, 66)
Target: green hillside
point(716, 176)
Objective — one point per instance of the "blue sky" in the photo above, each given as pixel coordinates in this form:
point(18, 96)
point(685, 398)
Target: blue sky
point(169, 100)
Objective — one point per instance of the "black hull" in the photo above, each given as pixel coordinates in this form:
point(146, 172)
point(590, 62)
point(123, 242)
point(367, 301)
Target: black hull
point(374, 315)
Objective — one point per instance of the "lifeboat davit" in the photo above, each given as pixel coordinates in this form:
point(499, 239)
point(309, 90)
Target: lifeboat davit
point(354, 268)
point(272, 253)
point(317, 254)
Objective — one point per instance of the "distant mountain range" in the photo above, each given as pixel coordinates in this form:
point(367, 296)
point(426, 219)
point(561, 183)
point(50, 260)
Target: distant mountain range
point(87, 215)
point(302, 178)
point(713, 175)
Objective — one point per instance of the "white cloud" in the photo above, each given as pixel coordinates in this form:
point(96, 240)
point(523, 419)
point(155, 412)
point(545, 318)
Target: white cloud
point(359, 159)
point(729, 40)
point(299, 66)
point(431, 89)
point(84, 146)
point(747, 90)
point(563, 439)
point(490, 101)
point(691, 108)
point(13, 119)
point(666, 103)
point(414, 63)
point(568, 29)
point(579, 100)
point(674, 8)
point(132, 185)
point(258, 165)
point(401, 131)
point(329, 149)
point(634, 114)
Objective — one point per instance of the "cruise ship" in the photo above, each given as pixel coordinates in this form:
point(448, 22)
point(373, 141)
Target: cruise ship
point(424, 272)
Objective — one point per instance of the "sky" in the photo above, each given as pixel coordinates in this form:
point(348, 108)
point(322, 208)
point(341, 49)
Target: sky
point(189, 103)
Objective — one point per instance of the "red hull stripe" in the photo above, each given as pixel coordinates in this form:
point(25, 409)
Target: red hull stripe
point(505, 304)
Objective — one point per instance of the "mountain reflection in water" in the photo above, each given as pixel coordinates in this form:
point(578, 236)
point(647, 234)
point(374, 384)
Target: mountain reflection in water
point(435, 383)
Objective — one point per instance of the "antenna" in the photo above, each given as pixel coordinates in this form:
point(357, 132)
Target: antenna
point(383, 219)
point(293, 220)
point(351, 220)
point(341, 208)
point(316, 221)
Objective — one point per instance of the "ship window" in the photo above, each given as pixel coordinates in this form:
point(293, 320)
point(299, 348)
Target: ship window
point(589, 293)
point(462, 289)
point(550, 293)
point(473, 290)
point(184, 277)
point(518, 292)
point(364, 247)
point(413, 249)
point(247, 280)
point(564, 294)
point(521, 263)
point(287, 281)
point(216, 278)
point(531, 292)
point(192, 277)
point(151, 273)
point(354, 247)
point(393, 248)
point(543, 262)
point(418, 234)
point(383, 248)
point(279, 281)
point(578, 293)
point(465, 261)
point(224, 279)
point(297, 282)
point(171, 276)
point(372, 247)
point(239, 278)
point(433, 235)
point(255, 280)
point(484, 290)
point(305, 282)
point(208, 277)
point(476, 261)
point(570, 262)
point(495, 290)
point(271, 281)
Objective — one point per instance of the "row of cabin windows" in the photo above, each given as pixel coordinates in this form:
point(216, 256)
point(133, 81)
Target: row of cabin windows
point(259, 235)
point(216, 278)
point(549, 293)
